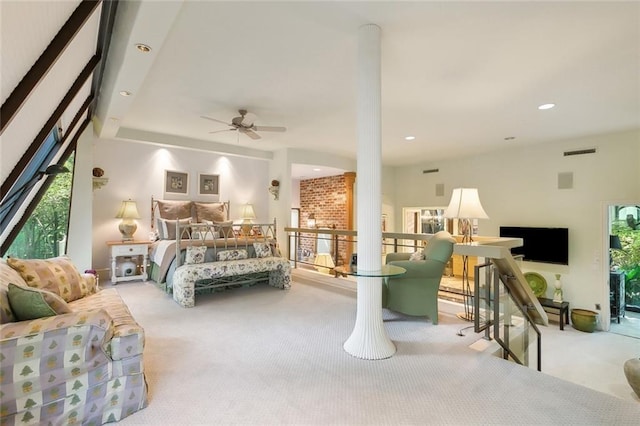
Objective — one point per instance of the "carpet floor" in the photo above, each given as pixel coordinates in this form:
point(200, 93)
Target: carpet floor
point(264, 356)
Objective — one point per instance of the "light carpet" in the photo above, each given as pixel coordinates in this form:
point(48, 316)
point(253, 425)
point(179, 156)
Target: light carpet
point(265, 356)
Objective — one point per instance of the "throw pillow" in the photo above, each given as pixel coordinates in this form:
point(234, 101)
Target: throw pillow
point(418, 255)
point(262, 249)
point(232, 254)
point(225, 229)
point(31, 303)
point(210, 211)
point(195, 254)
point(174, 209)
point(168, 228)
point(57, 275)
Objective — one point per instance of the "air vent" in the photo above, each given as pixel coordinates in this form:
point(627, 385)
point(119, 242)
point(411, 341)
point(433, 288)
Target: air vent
point(430, 171)
point(580, 152)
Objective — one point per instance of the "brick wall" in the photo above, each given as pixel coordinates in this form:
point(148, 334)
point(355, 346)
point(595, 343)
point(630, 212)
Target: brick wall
point(326, 199)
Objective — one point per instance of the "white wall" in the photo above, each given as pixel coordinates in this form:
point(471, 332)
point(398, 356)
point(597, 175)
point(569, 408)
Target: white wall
point(136, 171)
point(519, 187)
point(80, 216)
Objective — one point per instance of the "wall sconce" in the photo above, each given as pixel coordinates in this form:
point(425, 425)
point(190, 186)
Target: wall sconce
point(274, 189)
point(311, 221)
point(128, 212)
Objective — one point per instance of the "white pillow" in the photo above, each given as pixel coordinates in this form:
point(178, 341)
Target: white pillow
point(195, 254)
point(418, 255)
point(262, 249)
point(232, 254)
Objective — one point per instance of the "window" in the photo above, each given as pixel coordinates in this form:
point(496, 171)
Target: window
point(44, 233)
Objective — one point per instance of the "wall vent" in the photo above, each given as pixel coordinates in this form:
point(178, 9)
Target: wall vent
point(439, 189)
point(580, 152)
point(430, 171)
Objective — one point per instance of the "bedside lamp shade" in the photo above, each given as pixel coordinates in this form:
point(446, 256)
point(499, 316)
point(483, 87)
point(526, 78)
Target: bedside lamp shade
point(128, 212)
point(247, 213)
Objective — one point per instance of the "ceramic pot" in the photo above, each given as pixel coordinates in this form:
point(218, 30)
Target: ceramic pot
point(584, 320)
point(632, 371)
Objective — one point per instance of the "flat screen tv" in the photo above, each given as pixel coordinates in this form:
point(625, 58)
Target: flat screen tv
point(545, 245)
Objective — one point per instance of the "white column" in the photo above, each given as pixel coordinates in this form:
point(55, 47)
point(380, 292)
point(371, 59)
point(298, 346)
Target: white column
point(369, 339)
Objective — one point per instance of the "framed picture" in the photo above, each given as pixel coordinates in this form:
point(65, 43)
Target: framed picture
point(208, 184)
point(176, 183)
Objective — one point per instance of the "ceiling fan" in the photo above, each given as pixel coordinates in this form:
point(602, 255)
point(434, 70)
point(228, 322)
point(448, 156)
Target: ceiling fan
point(244, 124)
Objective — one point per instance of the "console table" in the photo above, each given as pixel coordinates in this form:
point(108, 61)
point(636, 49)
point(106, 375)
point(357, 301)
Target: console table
point(562, 308)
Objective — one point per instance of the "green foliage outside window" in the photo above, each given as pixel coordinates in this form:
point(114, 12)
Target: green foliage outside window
point(44, 233)
point(628, 259)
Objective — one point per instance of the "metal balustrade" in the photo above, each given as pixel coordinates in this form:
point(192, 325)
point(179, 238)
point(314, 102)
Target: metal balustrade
point(504, 309)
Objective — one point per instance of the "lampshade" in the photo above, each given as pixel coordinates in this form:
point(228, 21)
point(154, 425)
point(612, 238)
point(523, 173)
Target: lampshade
point(128, 210)
point(465, 204)
point(246, 212)
point(311, 221)
point(614, 242)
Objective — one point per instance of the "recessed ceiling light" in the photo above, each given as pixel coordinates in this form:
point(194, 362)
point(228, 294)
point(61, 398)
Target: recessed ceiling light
point(143, 47)
point(317, 170)
point(546, 106)
point(125, 93)
point(409, 138)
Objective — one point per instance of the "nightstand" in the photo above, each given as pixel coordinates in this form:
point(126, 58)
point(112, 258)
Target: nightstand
point(133, 250)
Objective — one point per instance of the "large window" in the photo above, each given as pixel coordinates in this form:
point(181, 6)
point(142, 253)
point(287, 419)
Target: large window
point(44, 233)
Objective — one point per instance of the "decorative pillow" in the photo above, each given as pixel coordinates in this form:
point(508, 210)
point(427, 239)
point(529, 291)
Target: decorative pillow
point(225, 228)
point(262, 249)
point(167, 228)
point(174, 209)
point(31, 303)
point(195, 254)
point(418, 255)
point(57, 275)
point(210, 211)
point(232, 254)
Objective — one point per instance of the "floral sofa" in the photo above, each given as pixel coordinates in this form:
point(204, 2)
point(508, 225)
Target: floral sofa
point(69, 352)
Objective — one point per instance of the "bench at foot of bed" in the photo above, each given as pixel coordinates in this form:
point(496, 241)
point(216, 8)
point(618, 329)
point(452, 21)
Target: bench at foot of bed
point(216, 274)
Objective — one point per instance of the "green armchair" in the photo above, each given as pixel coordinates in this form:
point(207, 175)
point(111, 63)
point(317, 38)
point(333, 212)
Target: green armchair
point(416, 292)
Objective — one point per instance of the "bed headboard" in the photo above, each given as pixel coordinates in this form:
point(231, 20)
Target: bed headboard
point(154, 208)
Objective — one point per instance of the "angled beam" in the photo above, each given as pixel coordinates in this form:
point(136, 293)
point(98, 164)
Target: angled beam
point(44, 63)
point(64, 104)
point(41, 191)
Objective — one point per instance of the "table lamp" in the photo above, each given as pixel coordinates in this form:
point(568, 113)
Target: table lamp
point(128, 212)
point(465, 206)
point(247, 214)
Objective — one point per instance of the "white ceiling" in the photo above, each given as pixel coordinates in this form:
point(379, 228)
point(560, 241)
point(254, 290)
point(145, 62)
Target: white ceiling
point(459, 76)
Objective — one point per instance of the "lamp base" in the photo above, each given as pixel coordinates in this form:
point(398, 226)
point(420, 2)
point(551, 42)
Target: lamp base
point(127, 229)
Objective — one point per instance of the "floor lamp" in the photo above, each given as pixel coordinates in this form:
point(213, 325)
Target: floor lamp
point(465, 206)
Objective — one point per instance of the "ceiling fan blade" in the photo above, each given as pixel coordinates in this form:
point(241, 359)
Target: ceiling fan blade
point(251, 134)
point(269, 129)
point(248, 119)
point(215, 119)
point(225, 130)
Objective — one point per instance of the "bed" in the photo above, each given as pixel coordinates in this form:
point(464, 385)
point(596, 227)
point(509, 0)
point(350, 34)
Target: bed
point(187, 224)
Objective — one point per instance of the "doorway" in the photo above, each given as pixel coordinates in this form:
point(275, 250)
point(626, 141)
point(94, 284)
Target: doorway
point(624, 268)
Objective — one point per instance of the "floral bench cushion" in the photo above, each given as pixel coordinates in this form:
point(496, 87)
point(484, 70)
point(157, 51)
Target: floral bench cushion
point(185, 276)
